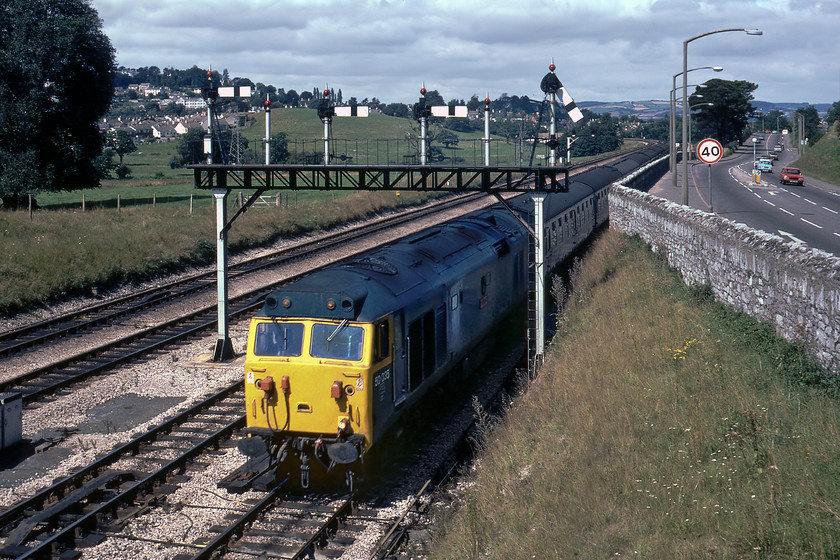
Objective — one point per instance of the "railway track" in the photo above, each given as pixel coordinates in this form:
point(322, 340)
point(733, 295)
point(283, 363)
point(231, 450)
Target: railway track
point(124, 483)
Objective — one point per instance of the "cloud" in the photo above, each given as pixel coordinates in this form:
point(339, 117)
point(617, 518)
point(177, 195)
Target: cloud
point(604, 49)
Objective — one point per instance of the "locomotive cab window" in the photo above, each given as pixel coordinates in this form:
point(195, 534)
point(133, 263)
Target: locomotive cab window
point(279, 339)
point(337, 342)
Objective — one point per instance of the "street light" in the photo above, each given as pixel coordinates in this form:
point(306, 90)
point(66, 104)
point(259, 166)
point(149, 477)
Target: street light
point(685, 96)
point(672, 122)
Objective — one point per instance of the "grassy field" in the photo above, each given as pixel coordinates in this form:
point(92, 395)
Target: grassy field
point(663, 426)
point(822, 160)
point(60, 253)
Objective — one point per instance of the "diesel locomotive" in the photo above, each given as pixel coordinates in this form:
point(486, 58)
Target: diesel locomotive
point(337, 357)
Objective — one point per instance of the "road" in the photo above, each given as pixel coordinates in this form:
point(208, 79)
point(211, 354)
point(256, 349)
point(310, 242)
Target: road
point(809, 214)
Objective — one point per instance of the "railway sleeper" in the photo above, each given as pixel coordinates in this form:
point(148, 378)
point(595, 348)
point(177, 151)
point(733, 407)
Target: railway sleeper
point(103, 484)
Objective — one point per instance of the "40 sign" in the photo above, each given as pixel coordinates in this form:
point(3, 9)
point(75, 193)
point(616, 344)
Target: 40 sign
point(709, 151)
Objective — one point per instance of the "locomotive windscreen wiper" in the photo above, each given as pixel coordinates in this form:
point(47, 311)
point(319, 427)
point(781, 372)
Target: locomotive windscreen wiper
point(337, 330)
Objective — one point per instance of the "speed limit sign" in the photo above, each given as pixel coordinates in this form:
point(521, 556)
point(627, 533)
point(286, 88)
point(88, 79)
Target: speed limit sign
point(709, 151)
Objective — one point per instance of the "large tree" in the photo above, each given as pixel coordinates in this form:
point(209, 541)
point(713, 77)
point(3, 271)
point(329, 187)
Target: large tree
point(723, 109)
point(56, 81)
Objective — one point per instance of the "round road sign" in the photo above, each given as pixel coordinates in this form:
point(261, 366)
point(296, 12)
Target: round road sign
point(709, 151)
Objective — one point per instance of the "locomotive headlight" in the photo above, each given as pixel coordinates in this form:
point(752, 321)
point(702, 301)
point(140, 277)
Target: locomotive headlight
point(330, 304)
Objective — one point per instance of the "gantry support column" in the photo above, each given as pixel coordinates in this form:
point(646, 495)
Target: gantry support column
point(224, 348)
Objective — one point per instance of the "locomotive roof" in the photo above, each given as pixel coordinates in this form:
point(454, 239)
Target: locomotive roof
point(364, 288)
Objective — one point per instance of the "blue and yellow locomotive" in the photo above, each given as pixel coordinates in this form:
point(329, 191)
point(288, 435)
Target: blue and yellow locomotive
point(337, 357)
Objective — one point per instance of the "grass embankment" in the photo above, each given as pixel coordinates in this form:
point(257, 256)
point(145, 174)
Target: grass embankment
point(822, 160)
point(60, 253)
point(663, 425)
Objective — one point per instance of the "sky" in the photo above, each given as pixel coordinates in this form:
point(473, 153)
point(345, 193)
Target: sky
point(604, 50)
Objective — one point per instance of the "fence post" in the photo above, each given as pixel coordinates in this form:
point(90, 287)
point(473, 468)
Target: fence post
point(83, 202)
point(278, 200)
point(119, 210)
point(191, 204)
point(30, 207)
point(154, 199)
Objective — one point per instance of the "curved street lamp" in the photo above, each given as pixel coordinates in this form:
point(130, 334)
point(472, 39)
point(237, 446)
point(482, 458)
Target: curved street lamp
point(685, 97)
point(672, 122)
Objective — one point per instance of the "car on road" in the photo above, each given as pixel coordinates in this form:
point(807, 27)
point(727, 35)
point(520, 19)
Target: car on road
point(791, 175)
point(778, 148)
point(764, 165)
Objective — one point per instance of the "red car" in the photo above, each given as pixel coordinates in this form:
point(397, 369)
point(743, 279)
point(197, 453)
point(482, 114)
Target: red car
point(792, 176)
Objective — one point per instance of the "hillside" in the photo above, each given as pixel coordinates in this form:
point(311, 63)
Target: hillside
point(822, 160)
point(663, 425)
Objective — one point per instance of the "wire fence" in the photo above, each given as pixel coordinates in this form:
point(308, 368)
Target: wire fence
point(378, 151)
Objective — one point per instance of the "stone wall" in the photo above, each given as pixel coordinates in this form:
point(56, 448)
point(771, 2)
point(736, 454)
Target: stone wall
point(794, 288)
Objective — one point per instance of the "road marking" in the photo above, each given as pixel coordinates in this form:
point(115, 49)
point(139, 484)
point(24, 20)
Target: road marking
point(837, 234)
point(830, 210)
point(794, 194)
point(811, 223)
point(770, 203)
point(791, 236)
point(809, 202)
point(786, 212)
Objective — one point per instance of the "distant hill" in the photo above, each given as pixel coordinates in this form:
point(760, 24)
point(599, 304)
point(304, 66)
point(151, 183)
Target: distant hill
point(657, 109)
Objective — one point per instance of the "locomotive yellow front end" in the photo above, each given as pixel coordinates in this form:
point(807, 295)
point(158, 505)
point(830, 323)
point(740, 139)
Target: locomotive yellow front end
point(307, 382)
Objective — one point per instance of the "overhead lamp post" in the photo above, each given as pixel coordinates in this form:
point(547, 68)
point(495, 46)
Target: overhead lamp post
point(685, 96)
point(672, 121)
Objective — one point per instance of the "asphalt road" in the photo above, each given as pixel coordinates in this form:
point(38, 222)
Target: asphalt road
point(809, 214)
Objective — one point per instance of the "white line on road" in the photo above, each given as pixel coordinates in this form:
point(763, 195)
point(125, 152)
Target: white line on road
point(786, 212)
point(830, 210)
point(791, 236)
point(770, 203)
point(810, 223)
point(809, 202)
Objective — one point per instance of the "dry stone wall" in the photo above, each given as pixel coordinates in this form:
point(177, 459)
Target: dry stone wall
point(792, 287)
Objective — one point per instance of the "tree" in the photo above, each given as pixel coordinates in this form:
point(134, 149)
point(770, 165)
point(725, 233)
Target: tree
point(279, 148)
point(447, 138)
point(56, 81)
point(811, 131)
point(599, 135)
point(833, 114)
point(122, 144)
point(726, 118)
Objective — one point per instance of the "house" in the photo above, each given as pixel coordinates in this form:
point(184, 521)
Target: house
point(163, 131)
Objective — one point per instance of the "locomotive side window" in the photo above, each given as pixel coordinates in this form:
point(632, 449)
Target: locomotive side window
point(279, 339)
point(337, 342)
point(383, 343)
